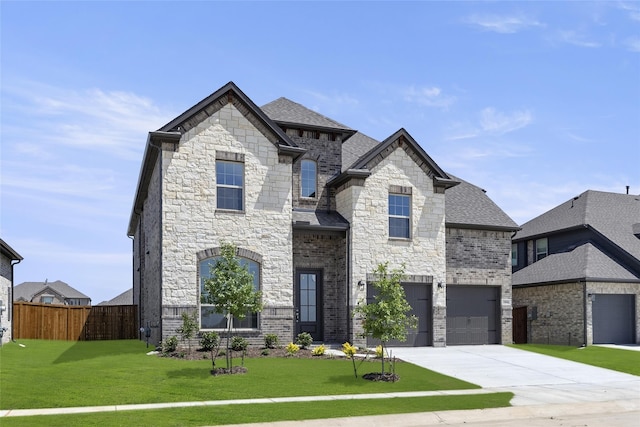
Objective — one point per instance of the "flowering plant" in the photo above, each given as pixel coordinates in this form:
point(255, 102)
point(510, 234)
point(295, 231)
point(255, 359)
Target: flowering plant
point(292, 349)
point(349, 350)
point(319, 350)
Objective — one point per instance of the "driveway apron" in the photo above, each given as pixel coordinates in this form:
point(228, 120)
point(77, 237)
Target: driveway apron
point(533, 378)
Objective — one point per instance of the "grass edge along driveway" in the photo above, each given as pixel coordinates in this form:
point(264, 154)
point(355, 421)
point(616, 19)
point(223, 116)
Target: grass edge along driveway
point(621, 360)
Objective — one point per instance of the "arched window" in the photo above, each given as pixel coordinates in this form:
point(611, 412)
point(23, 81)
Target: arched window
point(308, 174)
point(209, 319)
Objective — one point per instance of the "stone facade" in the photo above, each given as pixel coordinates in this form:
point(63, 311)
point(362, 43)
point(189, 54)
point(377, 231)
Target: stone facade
point(6, 280)
point(365, 207)
point(176, 223)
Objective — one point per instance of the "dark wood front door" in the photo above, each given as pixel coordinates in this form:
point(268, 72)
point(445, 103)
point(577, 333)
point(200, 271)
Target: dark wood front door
point(308, 302)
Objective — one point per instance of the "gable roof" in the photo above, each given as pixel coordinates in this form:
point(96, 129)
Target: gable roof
point(585, 262)
point(125, 298)
point(467, 205)
point(172, 132)
point(355, 147)
point(401, 138)
point(27, 290)
point(8, 251)
point(613, 215)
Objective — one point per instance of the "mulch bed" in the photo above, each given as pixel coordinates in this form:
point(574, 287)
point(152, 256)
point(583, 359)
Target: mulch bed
point(257, 352)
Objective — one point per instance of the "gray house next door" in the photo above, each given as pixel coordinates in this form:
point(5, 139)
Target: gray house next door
point(308, 303)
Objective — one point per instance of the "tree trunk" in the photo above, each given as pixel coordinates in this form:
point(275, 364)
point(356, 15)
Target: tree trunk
point(382, 346)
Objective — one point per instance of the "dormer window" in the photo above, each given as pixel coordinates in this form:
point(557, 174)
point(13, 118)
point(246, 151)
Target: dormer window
point(308, 178)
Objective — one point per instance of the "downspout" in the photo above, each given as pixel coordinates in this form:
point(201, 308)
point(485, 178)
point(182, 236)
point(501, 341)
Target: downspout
point(10, 316)
point(585, 299)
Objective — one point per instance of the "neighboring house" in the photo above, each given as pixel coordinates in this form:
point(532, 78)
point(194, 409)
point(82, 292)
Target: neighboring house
point(313, 207)
point(576, 271)
point(125, 298)
point(46, 292)
point(8, 259)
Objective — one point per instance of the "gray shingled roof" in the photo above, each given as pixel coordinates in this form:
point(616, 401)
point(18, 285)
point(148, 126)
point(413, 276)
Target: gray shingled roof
point(26, 290)
point(611, 214)
point(319, 219)
point(9, 252)
point(467, 204)
point(585, 262)
point(355, 147)
point(125, 298)
point(284, 110)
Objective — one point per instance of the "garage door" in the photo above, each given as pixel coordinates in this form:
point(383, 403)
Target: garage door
point(419, 297)
point(613, 319)
point(473, 315)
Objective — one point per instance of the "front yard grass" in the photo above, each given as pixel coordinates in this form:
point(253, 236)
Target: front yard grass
point(627, 361)
point(50, 374)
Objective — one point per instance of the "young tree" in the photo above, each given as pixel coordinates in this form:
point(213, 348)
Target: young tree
point(189, 327)
point(230, 290)
point(385, 318)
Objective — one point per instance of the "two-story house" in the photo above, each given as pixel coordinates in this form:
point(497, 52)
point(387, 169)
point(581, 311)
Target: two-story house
point(313, 207)
point(576, 272)
point(56, 292)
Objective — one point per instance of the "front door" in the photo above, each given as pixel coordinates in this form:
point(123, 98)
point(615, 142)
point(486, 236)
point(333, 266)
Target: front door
point(308, 302)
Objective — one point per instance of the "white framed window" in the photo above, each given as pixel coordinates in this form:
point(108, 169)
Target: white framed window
point(399, 216)
point(209, 319)
point(46, 299)
point(542, 248)
point(230, 185)
point(308, 178)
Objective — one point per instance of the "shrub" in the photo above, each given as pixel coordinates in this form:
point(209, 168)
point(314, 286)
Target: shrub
point(304, 339)
point(349, 350)
point(265, 352)
point(239, 344)
point(271, 341)
point(170, 344)
point(292, 349)
point(319, 350)
point(379, 352)
point(209, 340)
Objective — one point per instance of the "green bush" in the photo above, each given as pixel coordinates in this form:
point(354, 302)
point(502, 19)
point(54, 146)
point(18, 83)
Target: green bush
point(209, 340)
point(239, 344)
point(304, 339)
point(170, 344)
point(271, 341)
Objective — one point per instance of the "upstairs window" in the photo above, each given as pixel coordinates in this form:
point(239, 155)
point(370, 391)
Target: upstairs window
point(229, 185)
point(308, 174)
point(514, 254)
point(542, 249)
point(399, 216)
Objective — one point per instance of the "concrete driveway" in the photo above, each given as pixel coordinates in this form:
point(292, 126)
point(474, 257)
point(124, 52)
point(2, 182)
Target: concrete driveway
point(534, 378)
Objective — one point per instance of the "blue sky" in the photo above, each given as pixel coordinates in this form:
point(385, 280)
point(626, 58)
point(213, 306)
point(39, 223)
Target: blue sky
point(535, 102)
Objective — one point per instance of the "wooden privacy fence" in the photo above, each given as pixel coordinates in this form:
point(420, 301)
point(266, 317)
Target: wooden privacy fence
point(74, 323)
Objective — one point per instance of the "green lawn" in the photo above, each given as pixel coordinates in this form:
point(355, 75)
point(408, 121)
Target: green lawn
point(627, 361)
point(47, 374)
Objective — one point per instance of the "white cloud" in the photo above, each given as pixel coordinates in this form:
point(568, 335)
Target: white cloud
point(495, 122)
point(633, 9)
point(503, 24)
point(633, 44)
point(577, 39)
point(429, 96)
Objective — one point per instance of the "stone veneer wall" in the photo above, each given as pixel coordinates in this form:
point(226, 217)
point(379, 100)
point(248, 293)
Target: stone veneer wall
point(483, 258)
point(191, 222)
point(5, 296)
point(366, 208)
point(326, 252)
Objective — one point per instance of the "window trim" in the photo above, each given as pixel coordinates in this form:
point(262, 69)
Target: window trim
point(234, 160)
point(403, 192)
point(315, 179)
